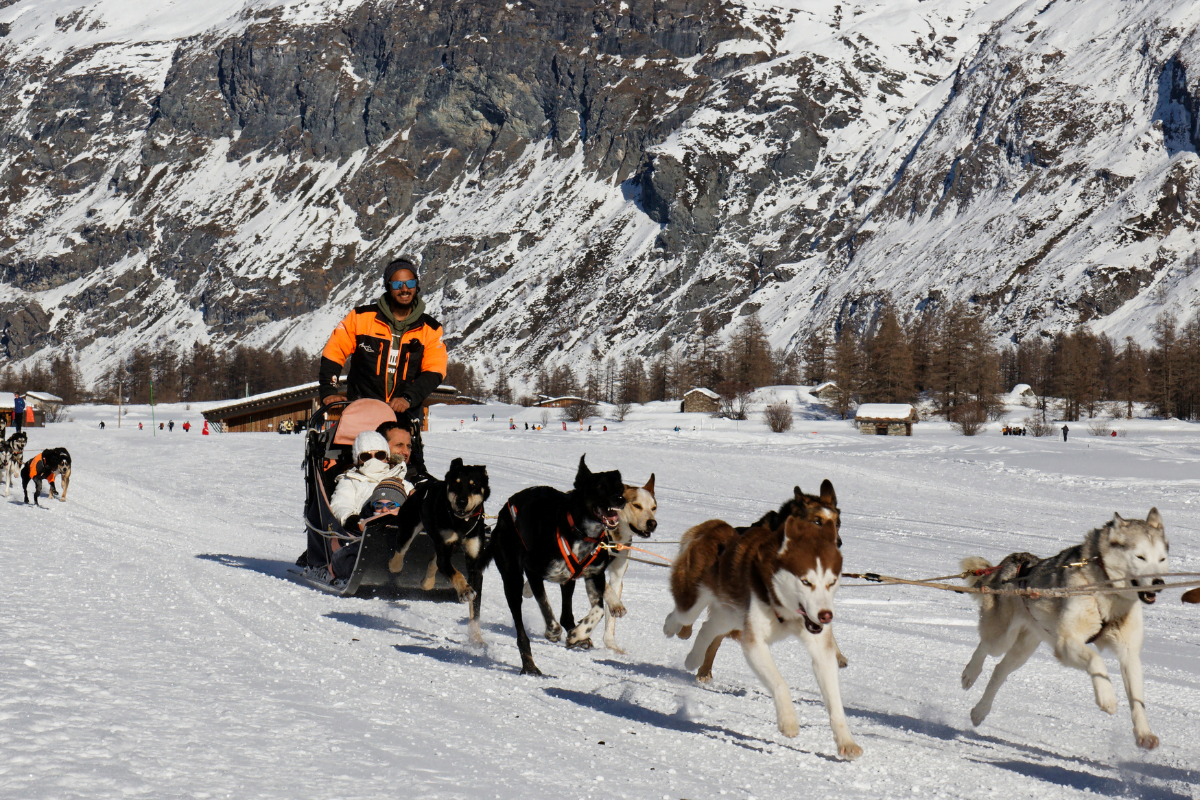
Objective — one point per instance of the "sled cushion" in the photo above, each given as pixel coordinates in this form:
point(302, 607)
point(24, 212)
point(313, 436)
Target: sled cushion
point(362, 415)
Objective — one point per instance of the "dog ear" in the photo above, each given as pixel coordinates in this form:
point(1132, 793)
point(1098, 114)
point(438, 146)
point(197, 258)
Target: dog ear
point(456, 464)
point(649, 487)
point(799, 495)
point(1154, 519)
point(583, 467)
point(1118, 520)
point(828, 495)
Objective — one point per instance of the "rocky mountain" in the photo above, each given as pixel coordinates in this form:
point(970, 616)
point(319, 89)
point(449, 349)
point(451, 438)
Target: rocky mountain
point(584, 178)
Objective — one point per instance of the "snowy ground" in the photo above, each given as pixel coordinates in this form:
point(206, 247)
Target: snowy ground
point(150, 644)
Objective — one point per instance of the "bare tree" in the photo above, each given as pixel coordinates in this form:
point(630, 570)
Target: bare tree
point(778, 417)
point(579, 412)
point(621, 410)
point(544, 418)
point(969, 418)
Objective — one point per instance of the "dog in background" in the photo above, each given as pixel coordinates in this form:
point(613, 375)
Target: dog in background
point(638, 518)
point(1129, 553)
point(45, 466)
point(12, 455)
point(802, 506)
point(768, 585)
point(450, 512)
point(543, 534)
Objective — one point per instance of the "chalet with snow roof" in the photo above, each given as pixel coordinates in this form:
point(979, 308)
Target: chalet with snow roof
point(701, 400)
point(885, 419)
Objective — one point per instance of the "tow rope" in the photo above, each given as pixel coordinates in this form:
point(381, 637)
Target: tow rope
point(1104, 587)
point(616, 547)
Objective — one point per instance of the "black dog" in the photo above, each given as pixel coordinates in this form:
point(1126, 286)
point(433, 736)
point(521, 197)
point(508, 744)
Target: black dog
point(451, 513)
point(12, 454)
point(546, 535)
point(45, 466)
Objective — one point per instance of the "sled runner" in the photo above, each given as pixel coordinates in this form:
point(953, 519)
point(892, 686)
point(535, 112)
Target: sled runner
point(327, 454)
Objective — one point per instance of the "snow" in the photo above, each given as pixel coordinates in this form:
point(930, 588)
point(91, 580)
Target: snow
point(709, 393)
point(153, 646)
point(884, 411)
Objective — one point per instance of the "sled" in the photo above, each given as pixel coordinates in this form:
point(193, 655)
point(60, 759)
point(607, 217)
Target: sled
point(328, 452)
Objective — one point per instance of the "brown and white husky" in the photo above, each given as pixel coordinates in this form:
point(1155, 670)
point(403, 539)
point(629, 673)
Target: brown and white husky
point(637, 517)
point(767, 584)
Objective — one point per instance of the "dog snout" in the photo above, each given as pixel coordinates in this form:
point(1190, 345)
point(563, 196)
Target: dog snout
point(651, 525)
point(1157, 582)
point(825, 617)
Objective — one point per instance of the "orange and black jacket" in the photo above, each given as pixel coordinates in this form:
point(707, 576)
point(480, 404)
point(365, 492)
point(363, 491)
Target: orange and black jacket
point(389, 358)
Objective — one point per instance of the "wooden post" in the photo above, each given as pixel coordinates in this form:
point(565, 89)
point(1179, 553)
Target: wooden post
point(424, 418)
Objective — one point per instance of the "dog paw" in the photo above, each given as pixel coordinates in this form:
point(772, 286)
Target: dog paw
point(842, 661)
point(685, 632)
point(703, 677)
point(468, 596)
point(475, 634)
point(554, 632)
point(979, 714)
point(789, 727)
point(581, 644)
point(612, 645)
point(396, 565)
point(968, 679)
point(617, 610)
point(1147, 741)
point(671, 626)
point(530, 669)
point(849, 750)
point(1106, 699)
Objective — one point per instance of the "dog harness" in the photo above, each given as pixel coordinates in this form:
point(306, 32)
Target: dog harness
point(574, 564)
point(34, 466)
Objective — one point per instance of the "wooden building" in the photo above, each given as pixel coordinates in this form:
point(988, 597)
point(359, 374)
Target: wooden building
point(263, 412)
point(885, 419)
point(560, 402)
point(8, 404)
point(700, 400)
point(825, 392)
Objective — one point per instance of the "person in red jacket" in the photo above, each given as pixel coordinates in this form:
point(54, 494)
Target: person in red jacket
point(395, 353)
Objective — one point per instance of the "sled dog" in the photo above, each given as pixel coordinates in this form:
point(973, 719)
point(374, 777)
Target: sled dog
point(450, 511)
point(805, 507)
point(543, 534)
point(637, 517)
point(768, 585)
point(1129, 553)
point(45, 466)
point(12, 455)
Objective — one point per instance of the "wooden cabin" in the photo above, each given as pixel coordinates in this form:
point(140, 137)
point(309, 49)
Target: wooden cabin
point(885, 419)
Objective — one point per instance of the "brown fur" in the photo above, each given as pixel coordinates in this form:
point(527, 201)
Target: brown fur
point(803, 506)
point(1192, 597)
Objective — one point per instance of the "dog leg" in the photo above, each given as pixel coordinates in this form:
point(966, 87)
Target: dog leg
point(431, 571)
point(842, 661)
point(974, 666)
point(538, 588)
point(1128, 646)
point(580, 635)
point(758, 656)
point(66, 483)
point(613, 607)
point(685, 632)
point(442, 551)
point(566, 616)
point(396, 563)
point(681, 617)
point(704, 674)
point(1022, 648)
point(512, 593)
point(712, 631)
point(1076, 653)
point(823, 650)
point(475, 577)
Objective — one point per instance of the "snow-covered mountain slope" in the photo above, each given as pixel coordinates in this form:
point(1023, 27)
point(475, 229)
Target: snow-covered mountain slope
point(583, 178)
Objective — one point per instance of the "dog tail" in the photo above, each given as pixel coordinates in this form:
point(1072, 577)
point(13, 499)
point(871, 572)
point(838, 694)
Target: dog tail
point(974, 564)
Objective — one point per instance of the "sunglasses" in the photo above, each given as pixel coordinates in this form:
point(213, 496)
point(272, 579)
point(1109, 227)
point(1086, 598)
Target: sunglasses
point(379, 454)
point(411, 283)
point(388, 504)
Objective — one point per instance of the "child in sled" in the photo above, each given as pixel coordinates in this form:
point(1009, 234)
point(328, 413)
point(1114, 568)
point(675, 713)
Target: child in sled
point(354, 490)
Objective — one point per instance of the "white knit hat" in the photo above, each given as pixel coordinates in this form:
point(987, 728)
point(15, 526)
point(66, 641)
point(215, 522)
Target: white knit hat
point(369, 441)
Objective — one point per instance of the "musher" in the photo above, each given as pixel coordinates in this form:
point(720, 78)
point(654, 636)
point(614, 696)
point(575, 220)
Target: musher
point(396, 354)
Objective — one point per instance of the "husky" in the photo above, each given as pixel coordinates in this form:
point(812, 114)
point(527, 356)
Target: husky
point(46, 465)
point(450, 511)
point(1129, 553)
point(12, 454)
point(803, 506)
point(637, 517)
point(768, 585)
point(543, 534)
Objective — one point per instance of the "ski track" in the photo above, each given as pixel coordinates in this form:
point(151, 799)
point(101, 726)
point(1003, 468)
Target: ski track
point(151, 644)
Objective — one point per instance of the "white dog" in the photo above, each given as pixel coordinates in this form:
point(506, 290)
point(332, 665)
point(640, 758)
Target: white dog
point(637, 517)
point(1130, 554)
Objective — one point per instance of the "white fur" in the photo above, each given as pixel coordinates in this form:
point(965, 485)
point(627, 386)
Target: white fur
point(615, 574)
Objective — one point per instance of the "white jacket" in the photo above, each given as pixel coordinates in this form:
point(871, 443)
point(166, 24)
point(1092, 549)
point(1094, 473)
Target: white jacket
point(354, 487)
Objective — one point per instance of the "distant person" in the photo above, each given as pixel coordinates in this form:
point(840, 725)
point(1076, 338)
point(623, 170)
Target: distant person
point(101, 424)
point(526, 426)
point(171, 426)
point(395, 353)
point(187, 427)
point(18, 411)
point(160, 426)
point(139, 426)
point(1065, 430)
point(205, 431)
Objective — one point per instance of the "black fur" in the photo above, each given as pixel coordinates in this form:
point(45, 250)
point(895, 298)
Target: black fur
point(526, 547)
point(801, 505)
point(55, 460)
point(451, 523)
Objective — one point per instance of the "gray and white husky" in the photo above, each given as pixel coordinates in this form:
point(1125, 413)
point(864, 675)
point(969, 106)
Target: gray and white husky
point(1131, 553)
point(12, 454)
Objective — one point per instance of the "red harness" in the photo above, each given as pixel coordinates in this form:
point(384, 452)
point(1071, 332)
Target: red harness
point(574, 564)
